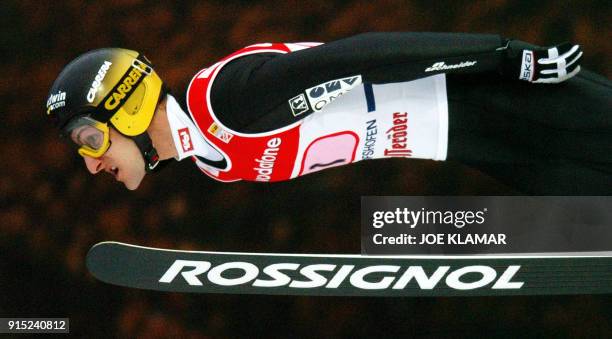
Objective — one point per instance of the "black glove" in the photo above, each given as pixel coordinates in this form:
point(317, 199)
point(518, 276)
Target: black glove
point(542, 64)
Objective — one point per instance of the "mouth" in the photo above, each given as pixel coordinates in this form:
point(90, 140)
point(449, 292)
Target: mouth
point(114, 171)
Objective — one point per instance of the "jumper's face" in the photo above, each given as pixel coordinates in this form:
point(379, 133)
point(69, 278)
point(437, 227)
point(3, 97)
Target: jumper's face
point(122, 160)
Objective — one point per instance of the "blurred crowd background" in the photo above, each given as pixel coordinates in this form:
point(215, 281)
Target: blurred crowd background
point(52, 211)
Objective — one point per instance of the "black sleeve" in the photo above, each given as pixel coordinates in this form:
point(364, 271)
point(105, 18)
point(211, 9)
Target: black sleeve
point(251, 93)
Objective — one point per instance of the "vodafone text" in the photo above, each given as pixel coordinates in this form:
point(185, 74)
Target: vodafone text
point(265, 163)
point(374, 277)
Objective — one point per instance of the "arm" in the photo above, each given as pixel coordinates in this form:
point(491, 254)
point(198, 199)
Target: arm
point(261, 84)
point(384, 57)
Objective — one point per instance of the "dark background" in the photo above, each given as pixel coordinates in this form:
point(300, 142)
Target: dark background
point(52, 210)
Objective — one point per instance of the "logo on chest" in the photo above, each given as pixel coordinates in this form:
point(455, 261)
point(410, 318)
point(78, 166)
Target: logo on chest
point(220, 133)
point(185, 139)
point(265, 163)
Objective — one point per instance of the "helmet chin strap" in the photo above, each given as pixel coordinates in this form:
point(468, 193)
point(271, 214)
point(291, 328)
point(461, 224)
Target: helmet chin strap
point(143, 141)
point(149, 153)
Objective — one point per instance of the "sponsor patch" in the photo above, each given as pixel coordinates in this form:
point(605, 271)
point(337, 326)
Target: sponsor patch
point(264, 165)
point(298, 105)
point(321, 95)
point(185, 138)
point(56, 101)
point(220, 133)
point(527, 66)
point(398, 136)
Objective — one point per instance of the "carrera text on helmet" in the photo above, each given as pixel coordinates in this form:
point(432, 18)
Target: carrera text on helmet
point(126, 86)
point(91, 95)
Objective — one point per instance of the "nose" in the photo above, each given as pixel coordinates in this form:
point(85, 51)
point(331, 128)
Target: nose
point(93, 165)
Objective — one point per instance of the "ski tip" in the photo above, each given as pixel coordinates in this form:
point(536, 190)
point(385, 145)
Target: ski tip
point(100, 258)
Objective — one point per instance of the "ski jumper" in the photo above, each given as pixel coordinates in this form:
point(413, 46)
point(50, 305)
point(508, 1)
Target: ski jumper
point(278, 111)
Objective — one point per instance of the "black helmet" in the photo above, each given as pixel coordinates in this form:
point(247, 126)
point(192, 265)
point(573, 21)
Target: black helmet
point(110, 85)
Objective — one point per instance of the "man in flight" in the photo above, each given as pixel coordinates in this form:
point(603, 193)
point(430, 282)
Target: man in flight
point(524, 114)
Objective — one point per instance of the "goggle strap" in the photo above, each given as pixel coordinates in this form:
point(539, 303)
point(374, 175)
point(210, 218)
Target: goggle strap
point(102, 113)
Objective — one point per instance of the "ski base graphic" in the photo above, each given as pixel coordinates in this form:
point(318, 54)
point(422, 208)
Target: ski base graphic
point(349, 275)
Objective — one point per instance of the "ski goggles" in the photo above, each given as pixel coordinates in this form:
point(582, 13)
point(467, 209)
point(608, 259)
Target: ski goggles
point(89, 135)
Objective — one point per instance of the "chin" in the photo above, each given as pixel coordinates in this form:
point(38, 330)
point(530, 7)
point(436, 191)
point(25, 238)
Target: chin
point(131, 187)
point(133, 184)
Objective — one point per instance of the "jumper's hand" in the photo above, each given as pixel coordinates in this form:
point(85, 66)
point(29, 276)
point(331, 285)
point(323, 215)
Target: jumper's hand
point(549, 65)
